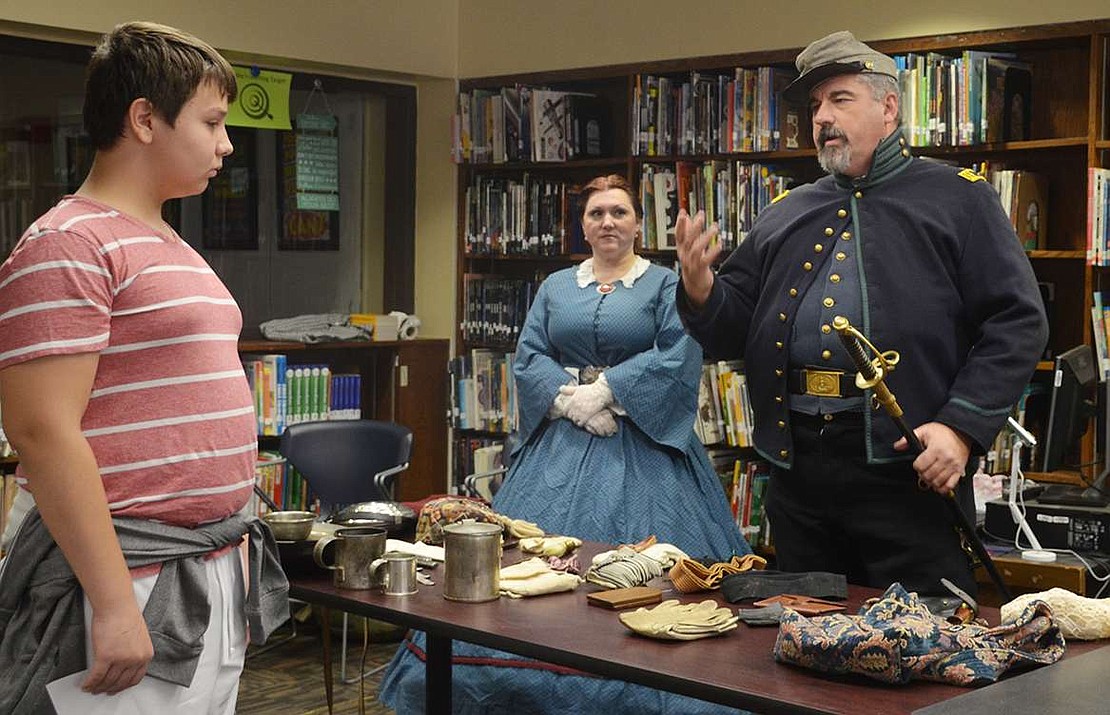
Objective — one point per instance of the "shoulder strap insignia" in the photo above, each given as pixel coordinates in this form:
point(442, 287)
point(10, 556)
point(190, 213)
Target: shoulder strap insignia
point(971, 175)
point(780, 197)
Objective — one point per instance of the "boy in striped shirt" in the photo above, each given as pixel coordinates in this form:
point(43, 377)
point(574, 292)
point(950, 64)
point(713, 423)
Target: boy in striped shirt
point(123, 392)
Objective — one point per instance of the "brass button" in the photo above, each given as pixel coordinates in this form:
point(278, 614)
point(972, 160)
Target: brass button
point(828, 302)
point(782, 317)
point(778, 399)
point(826, 328)
point(784, 453)
point(782, 424)
point(817, 248)
point(841, 213)
point(847, 235)
point(835, 278)
point(779, 345)
point(902, 141)
point(807, 266)
point(905, 152)
point(829, 231)
point(778, 372)
point(841, 255)
point(826, 354)
point(859, 194)
point(827, 417)
point(793, 292)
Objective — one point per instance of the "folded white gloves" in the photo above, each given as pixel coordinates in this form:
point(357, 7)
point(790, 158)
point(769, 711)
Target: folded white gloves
point(549, 545)
point(559, 406)
point(535, 577)
point(671, 620)
point(586, 400)
point(666, 554)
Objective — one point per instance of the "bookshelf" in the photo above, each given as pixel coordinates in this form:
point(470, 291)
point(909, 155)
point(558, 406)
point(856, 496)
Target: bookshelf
point(1068, 132)
point(402, 381)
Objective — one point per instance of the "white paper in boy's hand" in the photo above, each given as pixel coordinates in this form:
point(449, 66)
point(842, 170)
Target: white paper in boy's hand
point(67, 696)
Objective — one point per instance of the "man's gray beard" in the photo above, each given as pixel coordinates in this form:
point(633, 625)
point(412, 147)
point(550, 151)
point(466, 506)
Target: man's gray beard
point(835, 159)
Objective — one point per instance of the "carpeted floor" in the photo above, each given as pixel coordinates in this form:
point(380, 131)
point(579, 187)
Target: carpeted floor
point(289, 678)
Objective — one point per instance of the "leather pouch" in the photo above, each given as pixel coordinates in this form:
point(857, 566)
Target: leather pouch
point(617, 598)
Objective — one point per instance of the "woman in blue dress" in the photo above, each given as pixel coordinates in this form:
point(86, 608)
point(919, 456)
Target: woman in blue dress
point(607, 384)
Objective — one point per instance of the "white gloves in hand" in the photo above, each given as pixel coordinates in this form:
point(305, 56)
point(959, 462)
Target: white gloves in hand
point(559, 406)
point(603, 424)
point(586, 400)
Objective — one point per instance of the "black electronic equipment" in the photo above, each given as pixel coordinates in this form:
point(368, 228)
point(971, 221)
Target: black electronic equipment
point(1080, 528)
point(1069, 410)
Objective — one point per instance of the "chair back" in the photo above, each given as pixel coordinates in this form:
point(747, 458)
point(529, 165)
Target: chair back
point(348, 461)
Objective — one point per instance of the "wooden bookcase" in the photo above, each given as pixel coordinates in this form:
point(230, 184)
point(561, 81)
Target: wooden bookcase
point(1070, 131)
point(402, 381)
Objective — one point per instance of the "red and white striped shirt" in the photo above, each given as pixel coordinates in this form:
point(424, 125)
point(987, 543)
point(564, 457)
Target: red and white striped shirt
point(170, 418)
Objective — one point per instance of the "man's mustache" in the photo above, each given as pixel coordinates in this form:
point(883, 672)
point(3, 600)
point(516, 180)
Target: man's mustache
point(827, 133)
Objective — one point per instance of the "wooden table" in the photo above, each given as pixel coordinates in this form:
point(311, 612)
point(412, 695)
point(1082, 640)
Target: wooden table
point(736, 669)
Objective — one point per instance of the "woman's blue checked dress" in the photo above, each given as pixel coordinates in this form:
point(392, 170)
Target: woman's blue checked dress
point(651, 477)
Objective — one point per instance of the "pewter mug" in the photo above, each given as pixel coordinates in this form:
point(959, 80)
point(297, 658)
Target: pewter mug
point(395, 571)
point(355, 549)
point(472, 561)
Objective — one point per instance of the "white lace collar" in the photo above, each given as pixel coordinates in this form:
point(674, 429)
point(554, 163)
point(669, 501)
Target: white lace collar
point(585, 275)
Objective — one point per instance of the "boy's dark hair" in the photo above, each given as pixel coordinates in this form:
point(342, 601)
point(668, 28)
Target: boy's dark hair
point(147, 60)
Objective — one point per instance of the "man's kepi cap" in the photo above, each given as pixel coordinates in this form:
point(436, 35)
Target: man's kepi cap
point(835, 54)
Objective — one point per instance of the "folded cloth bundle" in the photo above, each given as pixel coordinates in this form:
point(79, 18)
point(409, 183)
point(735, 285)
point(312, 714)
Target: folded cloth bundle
point(689, 575)
point(438, 513)
point(622, 568)
point(550, 545)
point(671, 620)
point(1077, 616)
point(896, 639)
point(564, 563)
point(666, 554)
point(535, 577)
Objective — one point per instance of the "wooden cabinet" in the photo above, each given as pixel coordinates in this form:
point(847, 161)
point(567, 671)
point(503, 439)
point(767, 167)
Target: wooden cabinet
point(402, 381)
point(1068, 132)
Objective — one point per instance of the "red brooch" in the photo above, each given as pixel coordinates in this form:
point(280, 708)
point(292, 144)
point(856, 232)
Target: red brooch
point(605, 288)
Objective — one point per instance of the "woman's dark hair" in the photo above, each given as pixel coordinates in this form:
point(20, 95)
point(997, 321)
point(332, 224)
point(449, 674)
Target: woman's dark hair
point(604, 183)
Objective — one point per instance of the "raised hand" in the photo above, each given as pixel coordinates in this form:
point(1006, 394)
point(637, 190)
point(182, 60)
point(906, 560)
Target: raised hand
point(698, 247)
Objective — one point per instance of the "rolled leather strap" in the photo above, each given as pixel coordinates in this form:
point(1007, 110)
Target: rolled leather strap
point(822, 383)
point(761, 584)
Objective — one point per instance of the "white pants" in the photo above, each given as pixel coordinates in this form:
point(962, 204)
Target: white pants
point(215, 686)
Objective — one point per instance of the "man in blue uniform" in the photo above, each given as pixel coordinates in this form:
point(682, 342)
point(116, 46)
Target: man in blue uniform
point(920, 257)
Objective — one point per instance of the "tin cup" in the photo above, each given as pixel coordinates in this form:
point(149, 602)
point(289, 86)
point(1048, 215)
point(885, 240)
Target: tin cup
point(472, 561)
point(395, 572)
point(353, 552)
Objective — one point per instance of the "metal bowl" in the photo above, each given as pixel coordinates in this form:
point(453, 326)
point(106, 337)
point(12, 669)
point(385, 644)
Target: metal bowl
point(290, 525)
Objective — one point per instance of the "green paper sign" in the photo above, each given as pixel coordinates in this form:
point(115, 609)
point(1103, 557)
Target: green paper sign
point(263, 101)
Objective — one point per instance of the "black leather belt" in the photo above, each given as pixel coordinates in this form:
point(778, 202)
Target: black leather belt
point(822, 383)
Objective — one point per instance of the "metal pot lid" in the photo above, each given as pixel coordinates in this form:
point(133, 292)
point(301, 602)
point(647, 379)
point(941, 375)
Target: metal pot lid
point(381, 511)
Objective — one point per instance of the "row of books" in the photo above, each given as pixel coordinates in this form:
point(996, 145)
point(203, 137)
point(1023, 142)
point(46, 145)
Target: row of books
point(745, 483)
point(707, 114)
point(1024, 196)
point(289, 394)
point(283, 484)
point(522, 123)
point(1100, 331)
point(483, 391)
point(518, 217)
point(973, 98)
point(732, 193)
point(1098, 217)
point(494, 307)
point(724, 407)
